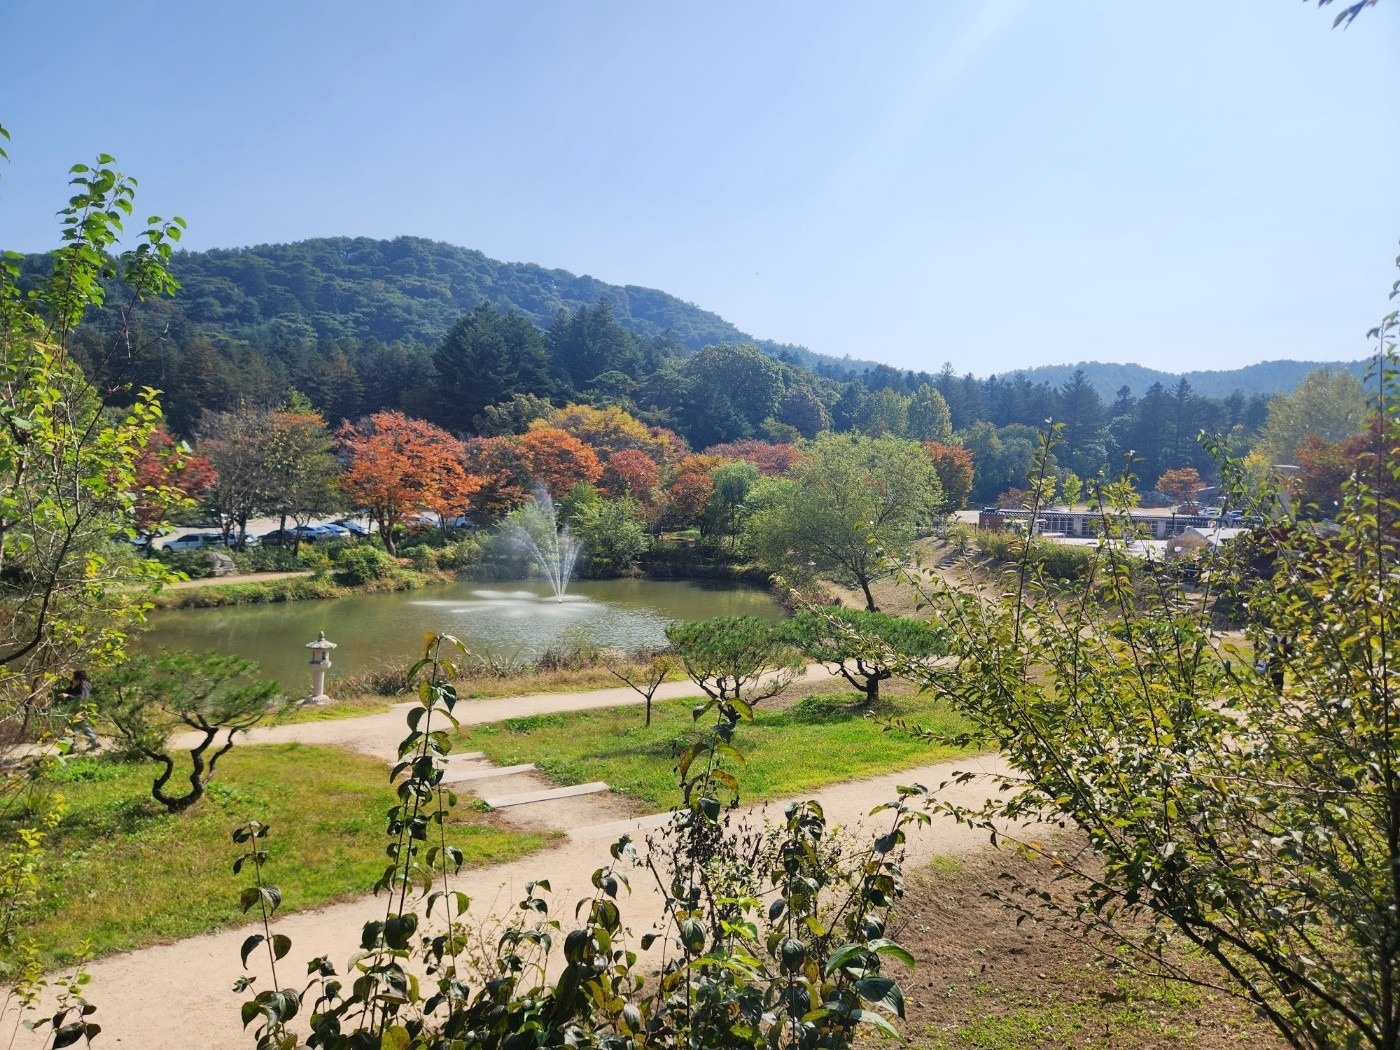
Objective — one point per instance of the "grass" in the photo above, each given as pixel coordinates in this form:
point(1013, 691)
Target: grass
point(293, 589)
point(120, 873)
point(819, 740)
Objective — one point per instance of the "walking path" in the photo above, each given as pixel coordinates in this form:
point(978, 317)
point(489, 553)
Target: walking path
point(179, 994)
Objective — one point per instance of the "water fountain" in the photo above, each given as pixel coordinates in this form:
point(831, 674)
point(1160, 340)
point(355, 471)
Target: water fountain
point(536, 527)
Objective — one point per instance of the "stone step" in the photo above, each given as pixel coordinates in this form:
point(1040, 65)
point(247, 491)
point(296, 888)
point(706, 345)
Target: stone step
point(487, 773)
point(466, 756)
point(545, 796)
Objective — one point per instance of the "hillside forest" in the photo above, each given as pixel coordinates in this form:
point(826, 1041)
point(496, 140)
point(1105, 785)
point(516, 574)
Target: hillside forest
point(488, 350)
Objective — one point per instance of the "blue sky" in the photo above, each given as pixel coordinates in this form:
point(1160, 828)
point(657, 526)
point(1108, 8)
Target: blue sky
point(996, 183)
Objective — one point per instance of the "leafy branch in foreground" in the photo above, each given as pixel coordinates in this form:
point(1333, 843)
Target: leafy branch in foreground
point(768, 937)
point(1240, 795)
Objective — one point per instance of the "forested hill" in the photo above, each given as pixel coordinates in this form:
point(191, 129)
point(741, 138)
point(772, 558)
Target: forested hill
point(1265, 378)
point(411, 289)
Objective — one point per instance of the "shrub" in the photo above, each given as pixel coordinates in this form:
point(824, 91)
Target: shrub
point(358, 565)
point(463, 554)
point(424, 558)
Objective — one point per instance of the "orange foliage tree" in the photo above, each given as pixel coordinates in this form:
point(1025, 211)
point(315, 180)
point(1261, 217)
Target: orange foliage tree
point(168, 476)
point(1181, 484)
point(688, 494)
point(630, 473)
point(557, 460)
point(398, 465)
point(953, 465)
point(505, 483)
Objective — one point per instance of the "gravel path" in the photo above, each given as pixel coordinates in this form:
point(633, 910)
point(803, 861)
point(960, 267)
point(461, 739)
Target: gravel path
point(179, 994)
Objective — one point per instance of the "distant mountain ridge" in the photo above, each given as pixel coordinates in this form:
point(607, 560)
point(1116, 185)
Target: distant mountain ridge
point(412, 288)
point(1266, 377)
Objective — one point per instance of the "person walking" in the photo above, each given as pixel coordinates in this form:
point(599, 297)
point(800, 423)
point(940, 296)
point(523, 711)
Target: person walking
point(79, 695)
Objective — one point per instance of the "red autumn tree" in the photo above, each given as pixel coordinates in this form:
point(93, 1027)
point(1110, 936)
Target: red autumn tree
point(399, 465)
point(688, 494)
point(505, 483)
point(770, 459)
point(557, 460)
point(168, 477)
point(1180, 484)
point(630, 473)
point(953, 465)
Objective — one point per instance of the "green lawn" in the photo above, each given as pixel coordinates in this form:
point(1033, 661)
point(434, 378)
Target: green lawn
point(120, 873)
point(820, 740)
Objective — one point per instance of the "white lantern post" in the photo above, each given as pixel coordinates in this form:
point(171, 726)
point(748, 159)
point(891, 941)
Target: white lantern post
point(320, 664)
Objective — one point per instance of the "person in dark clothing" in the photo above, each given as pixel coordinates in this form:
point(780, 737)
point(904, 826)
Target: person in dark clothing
point(79, 695)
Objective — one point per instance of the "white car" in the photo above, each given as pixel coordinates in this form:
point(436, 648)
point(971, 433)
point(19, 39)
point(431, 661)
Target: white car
point(193, 541)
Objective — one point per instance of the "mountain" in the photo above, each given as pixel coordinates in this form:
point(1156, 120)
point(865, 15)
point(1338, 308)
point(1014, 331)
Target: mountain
point(1266, 378)
point(413, 289)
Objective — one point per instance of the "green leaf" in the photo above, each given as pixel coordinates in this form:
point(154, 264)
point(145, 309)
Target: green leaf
point(249, 946)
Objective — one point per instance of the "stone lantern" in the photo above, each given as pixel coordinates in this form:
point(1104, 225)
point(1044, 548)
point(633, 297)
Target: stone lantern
point(320, 664)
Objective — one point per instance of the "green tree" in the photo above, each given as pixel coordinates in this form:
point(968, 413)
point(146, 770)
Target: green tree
point(867, 647)
point(613, 533)
point(850, 509)
point(1242, 798)
point(929, 418)
point(883, 412)
point(732, 484)
point(1329, 403)
point(488, 357)
point(68, 480)
point(737, 661)
point(146, 701)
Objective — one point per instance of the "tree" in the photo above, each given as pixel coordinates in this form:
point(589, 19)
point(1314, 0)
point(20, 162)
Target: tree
point(168, 477)
point(607, 430)
point(803, 410)
point(734, 388)
point(488, 357)
point(929, 418)
point(630, 473)
point(954, 467)
point(867, 647)
point(770, 459)
point(613, 535)
point(301, 473)
point(1244, 798)
point(737, 661)
point(1329, 403)
point(68, 481)
point(644, 680)
point(1071, 488)
point(398, 465)
point(1181, 484)
point(508, 418)
point(850, 507)
point(587, 343)
point(731, 484)
point(505, 484)
point(688, 494)
point(883, 412)
point(557, 460)
point(236, 445)
point(147, 701)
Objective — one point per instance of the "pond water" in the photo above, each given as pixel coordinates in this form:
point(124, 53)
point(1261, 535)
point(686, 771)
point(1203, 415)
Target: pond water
point(512, 620)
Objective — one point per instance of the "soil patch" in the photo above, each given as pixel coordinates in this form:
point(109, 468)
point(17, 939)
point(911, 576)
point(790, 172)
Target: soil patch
point(985, 981)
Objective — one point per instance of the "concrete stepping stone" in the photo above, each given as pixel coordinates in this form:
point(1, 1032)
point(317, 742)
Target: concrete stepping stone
point(488, 773)
point(466, 756)
point(505, 801)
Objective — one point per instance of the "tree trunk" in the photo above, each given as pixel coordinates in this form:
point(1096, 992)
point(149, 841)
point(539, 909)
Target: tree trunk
point(869, 598)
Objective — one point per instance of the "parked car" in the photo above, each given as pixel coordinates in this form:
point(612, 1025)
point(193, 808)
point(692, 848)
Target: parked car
point(331, 531)
point(281, 538)
point(193, 541)
point(461, 521)
point(353, 527)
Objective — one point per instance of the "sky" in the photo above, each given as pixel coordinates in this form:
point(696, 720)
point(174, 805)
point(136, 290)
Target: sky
point(1194, 184)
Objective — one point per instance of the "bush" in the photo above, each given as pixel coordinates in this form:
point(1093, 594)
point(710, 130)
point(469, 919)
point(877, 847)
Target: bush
point(271, 558)
point(460, 555)
point(358, 565)
point(424, 558)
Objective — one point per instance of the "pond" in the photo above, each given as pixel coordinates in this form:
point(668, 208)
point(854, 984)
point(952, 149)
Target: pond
point(512, 620)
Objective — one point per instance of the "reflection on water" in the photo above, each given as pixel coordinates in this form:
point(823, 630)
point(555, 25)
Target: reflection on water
point(375, 629)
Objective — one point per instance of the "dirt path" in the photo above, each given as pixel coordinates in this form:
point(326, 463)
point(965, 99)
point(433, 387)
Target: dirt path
point(179, 994)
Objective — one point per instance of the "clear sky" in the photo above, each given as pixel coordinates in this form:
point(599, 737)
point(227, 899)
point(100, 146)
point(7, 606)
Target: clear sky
point(997, 183)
